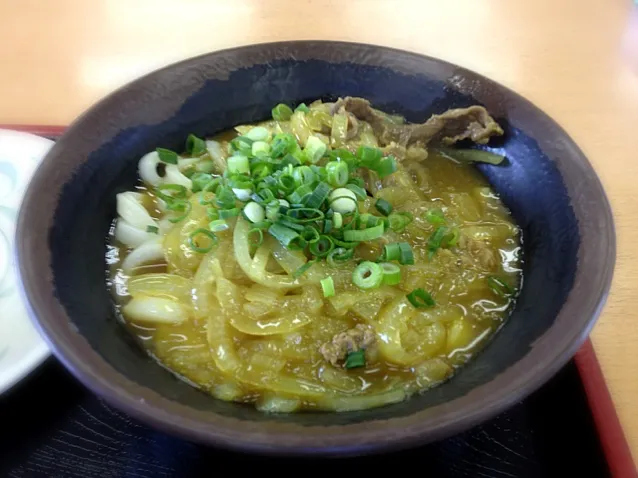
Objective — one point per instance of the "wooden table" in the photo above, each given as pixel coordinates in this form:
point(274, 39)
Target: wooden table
point(576, 59)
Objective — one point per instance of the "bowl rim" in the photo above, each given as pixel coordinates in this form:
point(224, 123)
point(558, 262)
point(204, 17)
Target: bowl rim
point(119, 391)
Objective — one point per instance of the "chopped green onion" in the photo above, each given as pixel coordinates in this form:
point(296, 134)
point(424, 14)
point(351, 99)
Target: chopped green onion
point(318, 196)
point(261, 170)
point(391, 273)
point(266, 195)
point(451, 238)
point(391, 252)
point(420, 298)
point(406, 255)
point(500, 287)
point(200, 181)
point(179, 205)
point(254, 212)
point(287, 183)
point(152, 229)
point(218, 225)
point(194, 244)
point(328, 287)
point(283, 234)
point(262, 225)
point(345, 156)
point(195, 146)
point(345, 244)
point(273, 210)
point(337, 173)
point(386, 167)
point(369, 156)
point(163, 191)
point(302, 107)
point(398, 251)
point(228, 213)
point(339, 254)
point(304, 214)
point(281, 112)
point(258, 133)
point(212, 185)
point(337, 220)
point(383, 206)
point(322, 247)
point(290, 224)
point(238, 164)
point(472, 155)
point(357, 182)
point(282, 144)
point(310, 234)
point(315, 149)
point(399, 220)
point(435, 216)
point(302, 270)
point(327, 226)
point(289, 160)
point(365, 234)
point(300, 193)
point(355, 359)
point(343, 200)
point(225, 198)
point(269, 182)
point(435, 240)
point(242, 144)
point(358, 191)
point(167, 156)
point(303, 175)
point(298, 244)
point(255, 237)
point(367, 275)
point(368, 220)
point(260, 148)
point(240, 181)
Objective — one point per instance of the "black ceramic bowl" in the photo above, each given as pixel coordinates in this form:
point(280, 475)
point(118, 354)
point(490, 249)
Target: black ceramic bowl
point(547, 183)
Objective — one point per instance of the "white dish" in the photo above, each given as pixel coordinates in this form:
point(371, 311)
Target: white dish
point(21, 347)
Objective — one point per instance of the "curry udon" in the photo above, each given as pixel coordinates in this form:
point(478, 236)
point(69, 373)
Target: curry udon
point(334, 257)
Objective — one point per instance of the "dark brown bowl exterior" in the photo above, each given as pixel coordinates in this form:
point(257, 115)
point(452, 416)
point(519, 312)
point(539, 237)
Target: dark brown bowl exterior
point(547, 183)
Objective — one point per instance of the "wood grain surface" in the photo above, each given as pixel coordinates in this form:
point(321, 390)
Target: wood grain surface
point(576, 59)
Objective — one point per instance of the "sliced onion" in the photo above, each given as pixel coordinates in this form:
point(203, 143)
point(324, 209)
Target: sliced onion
point(274, 404)
point(185, 163)
point(345, 403)
point(155, 310)
point(281, 324)
point(129, 235)
point(255, 268)
point(147, 168)
point(174, 176)
point(170, 286)
point(151, 251)
point(392, 321)
point(129, 208)
point(215, 151)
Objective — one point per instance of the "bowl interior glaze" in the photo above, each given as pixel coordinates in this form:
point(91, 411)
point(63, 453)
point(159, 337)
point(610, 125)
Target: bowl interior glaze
point(552, 191)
